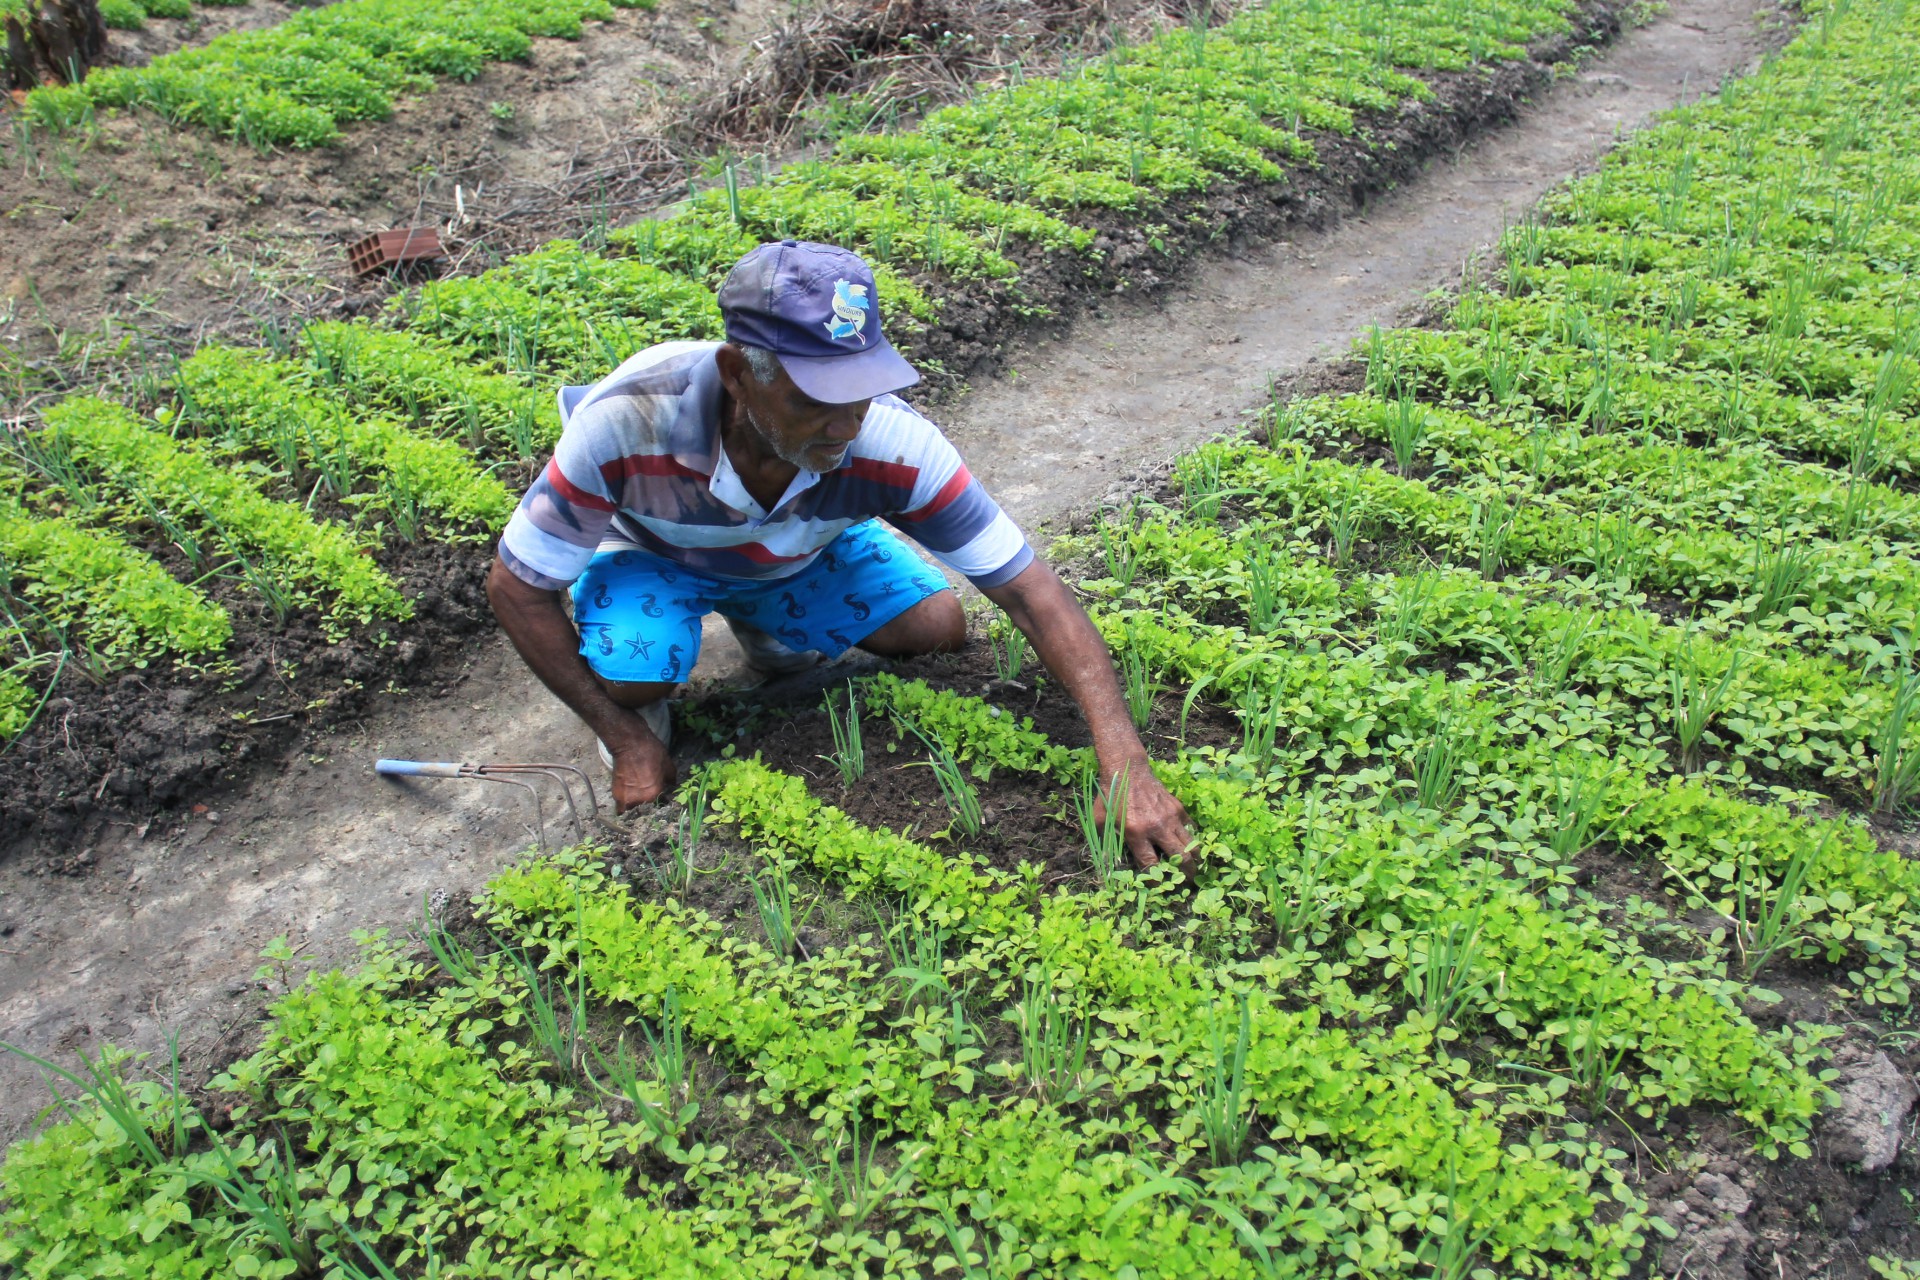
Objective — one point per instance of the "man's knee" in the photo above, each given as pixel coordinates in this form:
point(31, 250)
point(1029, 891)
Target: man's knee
point(634, 694)
point(935, 625)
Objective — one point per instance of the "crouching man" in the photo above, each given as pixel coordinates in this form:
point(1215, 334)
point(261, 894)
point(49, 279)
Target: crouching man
point(744, 477)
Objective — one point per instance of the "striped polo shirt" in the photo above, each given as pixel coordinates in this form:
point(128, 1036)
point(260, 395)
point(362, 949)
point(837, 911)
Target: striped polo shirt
point(640, 465)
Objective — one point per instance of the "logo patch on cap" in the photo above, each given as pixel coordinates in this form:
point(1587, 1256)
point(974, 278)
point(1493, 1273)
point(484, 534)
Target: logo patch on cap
point(850, 308)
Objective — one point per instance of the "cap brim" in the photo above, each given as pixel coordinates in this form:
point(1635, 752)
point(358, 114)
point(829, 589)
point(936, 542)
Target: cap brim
point(847, 379)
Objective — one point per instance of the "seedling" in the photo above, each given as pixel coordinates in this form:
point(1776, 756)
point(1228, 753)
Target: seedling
point(1105, 832)
point(667, 1108)
point(1137, 682)
point(1577, 798)
point(1561, 653)
point(685, 841)
point(1259, 729)
point(556, 1016)
point(1452, 1251)
point(1780, 576)
point(455, 958)
point(848, 1185)
point(1696, 699)
point(1406, 431)
point(1766, 921)
point(1896, 749)
point(1117, 549)
point(849, 746)
point(962, 797)
point(1402, 625)
point(1436, 770)
point(127, 1106)
point(1292, 903)
point(1053, 1042)
point(773, 897)
point(269, 1200)
point(1346, 518)
point(1443, 974)
point(1008, 645)
point(1491, 527)
point(1593, 1061)
point(1226, 1118)
point(1201, 484)
point(916, 951)
point(1265, 601)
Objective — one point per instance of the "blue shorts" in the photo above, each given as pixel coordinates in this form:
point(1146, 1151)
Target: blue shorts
point(639, 614)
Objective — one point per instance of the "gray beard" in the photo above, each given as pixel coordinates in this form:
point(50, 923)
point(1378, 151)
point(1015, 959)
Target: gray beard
point(790, 456)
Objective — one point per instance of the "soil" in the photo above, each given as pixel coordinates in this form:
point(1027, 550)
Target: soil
point(123, 926)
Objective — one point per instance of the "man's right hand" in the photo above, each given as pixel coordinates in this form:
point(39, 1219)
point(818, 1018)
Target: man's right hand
point(643, 771)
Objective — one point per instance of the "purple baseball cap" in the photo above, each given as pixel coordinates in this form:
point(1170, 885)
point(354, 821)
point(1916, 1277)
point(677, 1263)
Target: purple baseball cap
point(815, 306)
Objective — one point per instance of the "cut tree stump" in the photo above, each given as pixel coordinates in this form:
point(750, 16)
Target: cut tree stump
point(56, 44)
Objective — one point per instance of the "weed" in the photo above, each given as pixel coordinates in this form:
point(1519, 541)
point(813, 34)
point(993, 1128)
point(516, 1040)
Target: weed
point(1226, 1112)
point(1696, 699)
point(126, 1106)
point(1103, 822)
point(849, 747)
point(1053, 1041)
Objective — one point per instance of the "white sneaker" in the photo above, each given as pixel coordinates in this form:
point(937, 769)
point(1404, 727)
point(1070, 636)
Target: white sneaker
point(768, 657)
point(658, 719)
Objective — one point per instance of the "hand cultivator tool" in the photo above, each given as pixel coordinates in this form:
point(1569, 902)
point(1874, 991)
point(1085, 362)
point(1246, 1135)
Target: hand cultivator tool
point(512, 774)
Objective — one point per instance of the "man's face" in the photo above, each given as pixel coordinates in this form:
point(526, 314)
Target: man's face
point(795, 427)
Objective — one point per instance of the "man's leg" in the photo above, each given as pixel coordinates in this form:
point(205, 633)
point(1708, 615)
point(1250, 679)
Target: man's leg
point(936, 625)
point(867, 590)
point(639, 623)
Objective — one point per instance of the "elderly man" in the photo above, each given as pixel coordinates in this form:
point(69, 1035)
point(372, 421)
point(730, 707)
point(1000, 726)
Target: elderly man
point(744, 477)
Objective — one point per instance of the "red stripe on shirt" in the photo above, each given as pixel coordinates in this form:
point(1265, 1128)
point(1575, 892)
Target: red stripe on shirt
point(897, 474)
point(573, 493)
point(621, 470)
point(941, 500)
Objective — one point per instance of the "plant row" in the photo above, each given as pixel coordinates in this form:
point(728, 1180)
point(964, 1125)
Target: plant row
point(296, 83)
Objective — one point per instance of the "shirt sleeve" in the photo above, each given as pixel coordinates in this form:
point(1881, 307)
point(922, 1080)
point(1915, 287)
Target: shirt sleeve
point(951, 515)
point(564, 513)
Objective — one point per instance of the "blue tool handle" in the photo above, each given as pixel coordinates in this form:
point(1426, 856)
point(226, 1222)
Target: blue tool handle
point(415, 769)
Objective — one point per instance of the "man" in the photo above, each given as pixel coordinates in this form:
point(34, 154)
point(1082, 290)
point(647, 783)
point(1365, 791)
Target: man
point(744, 477)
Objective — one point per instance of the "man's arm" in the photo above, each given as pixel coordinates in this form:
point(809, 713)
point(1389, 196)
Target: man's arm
point(538, 626)
point(1064, 637)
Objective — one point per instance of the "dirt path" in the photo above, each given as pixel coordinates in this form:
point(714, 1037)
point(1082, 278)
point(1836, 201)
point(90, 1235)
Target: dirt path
point(165, 929)
point(1158, 375)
